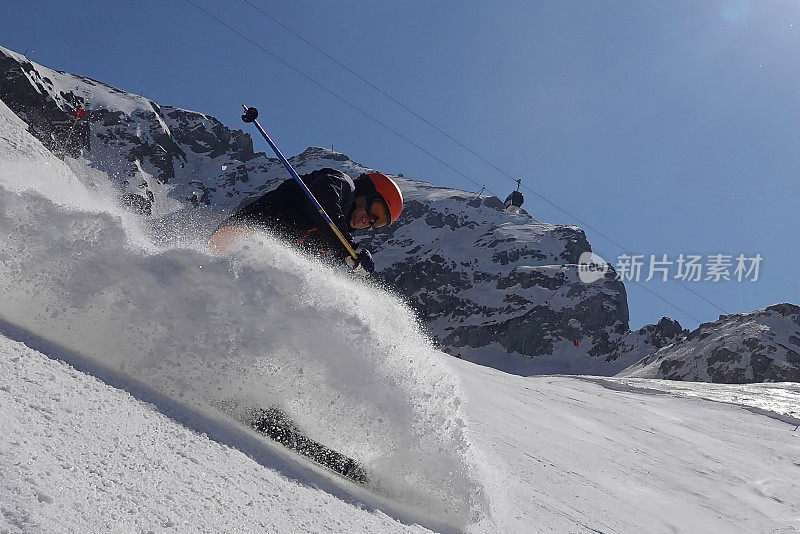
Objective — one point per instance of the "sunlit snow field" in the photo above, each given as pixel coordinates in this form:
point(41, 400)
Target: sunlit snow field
point(264, 326)
point(448, 444)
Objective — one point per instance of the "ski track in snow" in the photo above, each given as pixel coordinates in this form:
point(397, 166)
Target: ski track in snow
point(779, 400)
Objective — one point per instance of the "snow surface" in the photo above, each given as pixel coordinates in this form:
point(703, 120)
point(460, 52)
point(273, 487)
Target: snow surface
point(780, 400)
point(557, 454)
point(264, 327)
point(562, 454)
point(80, 456)
point(123, 436)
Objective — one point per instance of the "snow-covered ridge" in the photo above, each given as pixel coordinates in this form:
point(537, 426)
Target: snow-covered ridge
point(499, 288)
point(485, 282)
point(761, 346)
point(67, 90)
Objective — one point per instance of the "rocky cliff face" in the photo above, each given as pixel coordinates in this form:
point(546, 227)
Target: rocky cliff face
point(480, 276)
point(169, 157)
point(634, 346)
point(500, 288)
point(761, 346)
point(486, 282)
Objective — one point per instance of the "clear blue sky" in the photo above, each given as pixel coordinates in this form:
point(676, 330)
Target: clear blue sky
point(672, 127)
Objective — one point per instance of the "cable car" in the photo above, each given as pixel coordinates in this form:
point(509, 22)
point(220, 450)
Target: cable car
point(515, 200)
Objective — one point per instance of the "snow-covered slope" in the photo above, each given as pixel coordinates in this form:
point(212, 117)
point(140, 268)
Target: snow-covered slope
point(569, 455)
point(450, 445)
point(500, 288)
point(263, 327)
point(761, 346)
point(80, 456)
point(557, 454)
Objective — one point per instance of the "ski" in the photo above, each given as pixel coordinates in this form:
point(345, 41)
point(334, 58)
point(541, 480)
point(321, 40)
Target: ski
point(276, 425)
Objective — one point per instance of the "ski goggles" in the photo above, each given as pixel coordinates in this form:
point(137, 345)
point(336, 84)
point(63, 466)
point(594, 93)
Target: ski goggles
point(378, 212)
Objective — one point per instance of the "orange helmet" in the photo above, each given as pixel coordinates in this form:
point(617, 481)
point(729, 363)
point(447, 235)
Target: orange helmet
point(375, 183)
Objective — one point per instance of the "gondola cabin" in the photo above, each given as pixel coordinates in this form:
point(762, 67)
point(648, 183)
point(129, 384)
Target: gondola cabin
point(515, 200)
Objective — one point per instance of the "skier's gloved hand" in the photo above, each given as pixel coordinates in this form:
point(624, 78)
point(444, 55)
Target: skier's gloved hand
point(365, 260)
point(363, 264)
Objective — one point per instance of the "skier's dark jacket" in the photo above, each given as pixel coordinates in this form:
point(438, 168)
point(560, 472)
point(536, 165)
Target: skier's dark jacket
point(287, 211)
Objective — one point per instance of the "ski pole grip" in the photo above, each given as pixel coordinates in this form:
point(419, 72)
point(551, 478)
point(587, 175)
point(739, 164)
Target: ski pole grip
point(250, 114)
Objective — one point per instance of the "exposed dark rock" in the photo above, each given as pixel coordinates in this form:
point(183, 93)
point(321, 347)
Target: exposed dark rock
point(494, 203)
point(735, 349)
point(56, 128)
point(530, 264)
point(505, 257)
point(575, 243)
point(526, 278)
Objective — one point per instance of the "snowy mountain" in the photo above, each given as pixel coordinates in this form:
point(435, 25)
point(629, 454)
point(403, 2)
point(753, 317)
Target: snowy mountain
point(635, 345)
point(761, 346)
point(499, 288)
point(486, 282)
point(117, 342)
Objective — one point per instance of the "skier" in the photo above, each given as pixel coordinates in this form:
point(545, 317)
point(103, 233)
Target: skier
point(370, 201)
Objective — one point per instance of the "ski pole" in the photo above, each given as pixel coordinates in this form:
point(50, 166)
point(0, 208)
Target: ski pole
point(250, 115)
